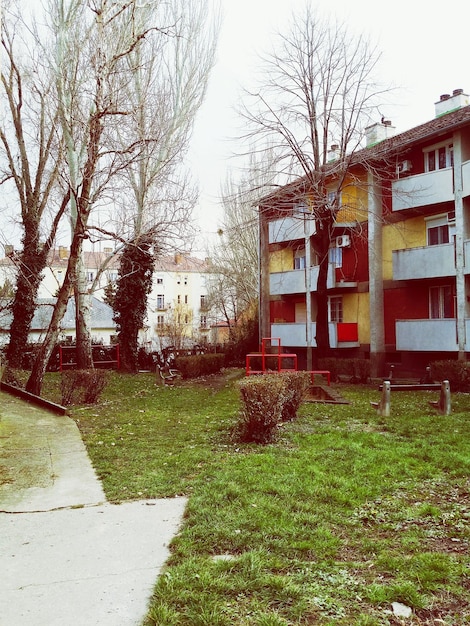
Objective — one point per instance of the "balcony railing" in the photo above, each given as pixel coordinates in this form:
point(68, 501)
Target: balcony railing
point(424, 262)
point(294, 335)
point(290, 228)
point(425, 335)
point(423, 189)
point(427, 262)
point(293, 281)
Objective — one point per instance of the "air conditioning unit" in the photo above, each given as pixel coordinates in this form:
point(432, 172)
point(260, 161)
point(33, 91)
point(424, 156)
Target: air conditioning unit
point(451, 217)
point(403, 167)
point(343, 241)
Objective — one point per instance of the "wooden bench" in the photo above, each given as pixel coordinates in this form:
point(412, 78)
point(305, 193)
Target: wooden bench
point(325, 373)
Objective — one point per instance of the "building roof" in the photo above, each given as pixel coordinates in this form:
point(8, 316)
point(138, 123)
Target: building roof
point(182, 263)
point(392, 146)
point(179, 262)
point(101, 315)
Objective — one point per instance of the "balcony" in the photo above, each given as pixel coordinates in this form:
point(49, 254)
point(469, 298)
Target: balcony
point(466, 178)
point(427, 262)
point(290, 228)
point(423, 189)
point(293, 281)
point(424, 262)
point(295, 335)
point(426, 335)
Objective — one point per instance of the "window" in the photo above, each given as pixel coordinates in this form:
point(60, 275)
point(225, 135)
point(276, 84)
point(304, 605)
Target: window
point(437, 230)
point(335, 306)
point(441, 302)
point(185, 280)
point(90, 276)
point(160, 301)
point(186, 299)
point(299, 259)
point(160, 320)
point(203, 321)
point(335, 256)
point(159, 281)
point(438, 235)
point(203, 301)
point(439, 157)
point(179, 299)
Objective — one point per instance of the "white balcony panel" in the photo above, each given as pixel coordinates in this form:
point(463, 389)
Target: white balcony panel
point(290, 228)
point(427, 335)
point(422, 189)
point(424, 262)
point(295, 335)
point(293, 281)
point(466, 178)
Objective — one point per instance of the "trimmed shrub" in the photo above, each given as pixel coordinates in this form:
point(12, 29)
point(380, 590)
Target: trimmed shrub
point(263, 400)
point(83, 386)
point(456, 372)
point(296, 386)
point(199, 365)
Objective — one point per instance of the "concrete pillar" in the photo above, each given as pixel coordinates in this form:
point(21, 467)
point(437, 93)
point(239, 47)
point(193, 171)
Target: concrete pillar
point(459, 240)
point(264, 286)
point(376, 296)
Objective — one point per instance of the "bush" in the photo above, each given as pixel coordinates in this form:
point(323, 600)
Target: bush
point(263, 401)
point(83, 386)
point(296, 386)
point(199, 365)
point(456, 372)
point(269, 400)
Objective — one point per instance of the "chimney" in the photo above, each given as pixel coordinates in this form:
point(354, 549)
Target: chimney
point(379, 131)
point(448, 103)
point(9, 250)
point(178, 258)
point(333, 153)
point(63, 253)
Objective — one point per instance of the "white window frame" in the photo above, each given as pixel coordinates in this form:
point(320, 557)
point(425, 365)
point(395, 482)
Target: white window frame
point(448, 146)
point(438, 222)
point(438, 296)
point(335, 309)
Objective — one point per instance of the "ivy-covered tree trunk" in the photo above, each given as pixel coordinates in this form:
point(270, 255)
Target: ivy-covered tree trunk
point(130, 302)
point(32, 261)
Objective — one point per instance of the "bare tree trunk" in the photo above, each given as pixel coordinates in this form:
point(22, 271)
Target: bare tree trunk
point(36, 378)
point(82, 319)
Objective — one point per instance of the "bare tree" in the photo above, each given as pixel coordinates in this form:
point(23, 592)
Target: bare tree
point(317, 90)
point(90, 42)
point(233, 289)
point(169, 73)
point(32, 148)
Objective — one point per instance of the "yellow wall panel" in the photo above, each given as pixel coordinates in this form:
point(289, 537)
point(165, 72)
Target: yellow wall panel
point(281, 260)
point(356, 309)
point(408, 234)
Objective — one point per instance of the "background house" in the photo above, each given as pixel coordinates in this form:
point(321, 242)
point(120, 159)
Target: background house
point(178, 305)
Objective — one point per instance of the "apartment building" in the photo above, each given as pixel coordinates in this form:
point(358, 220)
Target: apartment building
point(399, 263)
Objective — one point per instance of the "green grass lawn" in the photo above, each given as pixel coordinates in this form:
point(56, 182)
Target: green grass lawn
point(346, 513)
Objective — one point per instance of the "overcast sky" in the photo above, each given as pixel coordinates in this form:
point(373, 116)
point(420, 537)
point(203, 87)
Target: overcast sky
point(424, 50)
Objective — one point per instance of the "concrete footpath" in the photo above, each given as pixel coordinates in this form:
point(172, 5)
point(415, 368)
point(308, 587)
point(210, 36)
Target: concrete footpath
point(66, 555)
